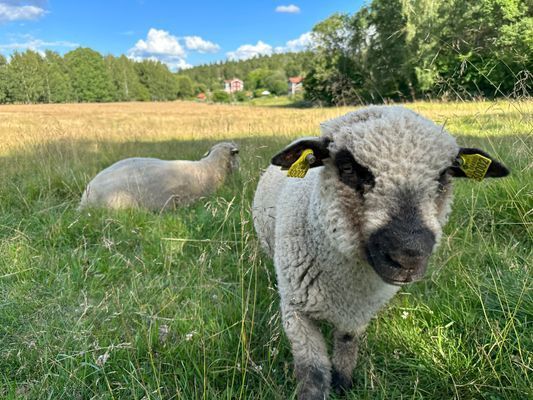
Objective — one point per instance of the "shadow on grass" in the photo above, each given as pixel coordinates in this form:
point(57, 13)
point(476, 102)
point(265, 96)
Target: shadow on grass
point(75, 162)
point(62, 168)
point(299, 104)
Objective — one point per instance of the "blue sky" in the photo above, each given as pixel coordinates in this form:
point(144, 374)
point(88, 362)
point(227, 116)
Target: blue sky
point(179, 33)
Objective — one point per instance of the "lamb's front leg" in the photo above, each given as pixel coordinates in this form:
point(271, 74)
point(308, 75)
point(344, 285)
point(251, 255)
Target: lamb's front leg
point(311, 361)
point(345, 351)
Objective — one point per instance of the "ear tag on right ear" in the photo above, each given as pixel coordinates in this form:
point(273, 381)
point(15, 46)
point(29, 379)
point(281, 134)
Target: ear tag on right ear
point(475, 166)
point(300, 167)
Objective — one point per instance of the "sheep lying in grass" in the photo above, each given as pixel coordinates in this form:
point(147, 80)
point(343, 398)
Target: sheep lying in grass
point(160, 184)
point(350, 233)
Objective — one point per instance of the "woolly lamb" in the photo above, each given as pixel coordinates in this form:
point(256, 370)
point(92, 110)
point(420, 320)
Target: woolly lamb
point(349, 234)
point(160, 184)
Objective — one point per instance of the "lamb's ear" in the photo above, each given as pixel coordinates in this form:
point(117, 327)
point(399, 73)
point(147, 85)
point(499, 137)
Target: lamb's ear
point(286, 157)
point(495, 168)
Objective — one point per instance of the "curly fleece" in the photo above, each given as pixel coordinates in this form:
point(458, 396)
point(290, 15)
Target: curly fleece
point(315, 229)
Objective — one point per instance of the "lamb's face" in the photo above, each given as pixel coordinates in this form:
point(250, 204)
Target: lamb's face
point(385, 189)
point(393, 217)
point(227, 151)
point(394, 170)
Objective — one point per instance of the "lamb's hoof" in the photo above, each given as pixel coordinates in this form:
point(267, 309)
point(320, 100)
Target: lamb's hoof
point(340, 382)
point(314, 382)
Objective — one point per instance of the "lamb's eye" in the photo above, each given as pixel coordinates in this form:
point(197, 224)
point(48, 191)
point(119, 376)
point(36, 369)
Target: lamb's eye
point(353, 174)
point(346, 168)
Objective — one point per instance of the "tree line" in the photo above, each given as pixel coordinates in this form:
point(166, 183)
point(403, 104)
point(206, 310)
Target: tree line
point(407, 49)
point(84, 75)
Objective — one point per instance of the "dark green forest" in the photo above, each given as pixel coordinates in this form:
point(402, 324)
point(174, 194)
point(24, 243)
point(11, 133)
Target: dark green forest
point(84, 75)
point(390, 50)
point(408, 49)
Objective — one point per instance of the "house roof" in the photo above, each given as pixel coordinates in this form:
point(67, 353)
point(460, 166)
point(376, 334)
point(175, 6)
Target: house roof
point(232, 80)
point(296, 79)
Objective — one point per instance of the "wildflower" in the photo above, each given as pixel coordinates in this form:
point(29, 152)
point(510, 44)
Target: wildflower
point(102, 359)
point(256, 367)
point(108, 243)
point(163, 333)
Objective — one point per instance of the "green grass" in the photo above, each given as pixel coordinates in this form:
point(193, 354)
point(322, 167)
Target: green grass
point(277, 101)
point(183, 305)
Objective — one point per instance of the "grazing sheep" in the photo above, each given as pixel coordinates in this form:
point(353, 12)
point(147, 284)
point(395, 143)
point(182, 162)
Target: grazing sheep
point(349, 234)
point(160, 184)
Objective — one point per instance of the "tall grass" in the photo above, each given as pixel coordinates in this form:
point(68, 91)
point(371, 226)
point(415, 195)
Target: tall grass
point(182, 305)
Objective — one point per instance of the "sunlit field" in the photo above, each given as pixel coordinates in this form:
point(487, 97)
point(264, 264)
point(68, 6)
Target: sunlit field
point(183, 305)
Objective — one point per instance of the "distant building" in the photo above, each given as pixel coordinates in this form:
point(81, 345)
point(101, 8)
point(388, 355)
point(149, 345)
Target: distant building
point(233, 85)
point(201, 96)
point(295, 85)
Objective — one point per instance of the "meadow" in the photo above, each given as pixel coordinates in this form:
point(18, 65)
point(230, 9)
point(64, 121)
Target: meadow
point(183, 305)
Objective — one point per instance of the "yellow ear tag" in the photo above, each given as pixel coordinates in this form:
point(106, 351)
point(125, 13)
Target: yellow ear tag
point(475, 166)
point(300, 167)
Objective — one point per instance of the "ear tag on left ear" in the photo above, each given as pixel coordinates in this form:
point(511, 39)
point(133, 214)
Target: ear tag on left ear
point(300, 167)
point(474, 166)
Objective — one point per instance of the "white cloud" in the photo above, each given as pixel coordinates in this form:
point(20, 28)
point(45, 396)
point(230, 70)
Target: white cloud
point(172, 64)
point(158, 43)
point(161, 46)
point(247, 51)
point(38, 45)
point(179, 64)
point(304, 42)
point(200, 45)
point(16, 11)
point(290, 9)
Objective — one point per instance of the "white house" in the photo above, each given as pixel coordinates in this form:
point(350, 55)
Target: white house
point(233, 85)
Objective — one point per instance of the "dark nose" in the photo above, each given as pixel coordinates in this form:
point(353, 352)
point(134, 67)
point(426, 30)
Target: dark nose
point(410, 249)
point(408, 259)
point(400, 255)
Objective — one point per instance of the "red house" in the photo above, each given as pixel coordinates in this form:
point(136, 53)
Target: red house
point(295, 85)
point(233, 85)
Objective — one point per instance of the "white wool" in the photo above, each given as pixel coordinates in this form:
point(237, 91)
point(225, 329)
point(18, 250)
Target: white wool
point(157, 184)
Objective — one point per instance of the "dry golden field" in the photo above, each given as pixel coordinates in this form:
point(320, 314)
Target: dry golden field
point(22, 125)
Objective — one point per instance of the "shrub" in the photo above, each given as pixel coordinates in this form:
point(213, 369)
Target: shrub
point(240, 96)
point(220, 96)
point(257, 92)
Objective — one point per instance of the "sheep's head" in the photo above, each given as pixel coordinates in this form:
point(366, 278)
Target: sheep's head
point(385, 189)
point(225, 152)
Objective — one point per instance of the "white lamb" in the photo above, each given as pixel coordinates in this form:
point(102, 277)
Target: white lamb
point(160, 184)
point(349, 234)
